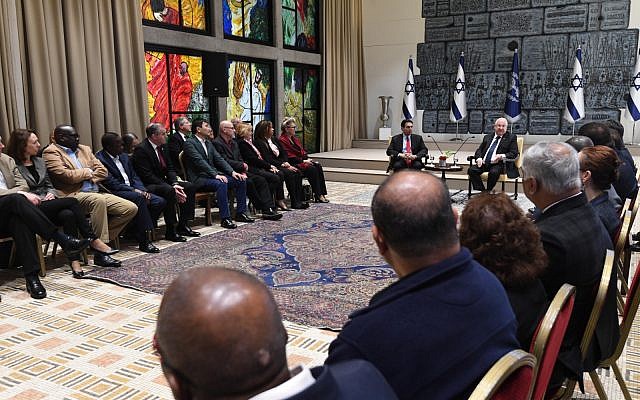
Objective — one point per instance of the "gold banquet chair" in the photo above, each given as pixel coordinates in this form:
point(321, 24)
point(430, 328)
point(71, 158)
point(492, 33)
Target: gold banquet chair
point(589, 331)
point(38, 249)
point(548, 338)
point(503, 178)
point(510, 378)
point(200, 196)
point(628, 315)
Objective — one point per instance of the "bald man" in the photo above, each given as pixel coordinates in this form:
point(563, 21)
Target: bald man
point(436, 331)
point(492, 156)
point(220, 335)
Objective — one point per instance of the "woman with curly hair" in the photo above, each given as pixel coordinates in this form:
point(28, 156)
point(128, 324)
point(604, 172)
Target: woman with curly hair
point(598, 170)
point(508, 244)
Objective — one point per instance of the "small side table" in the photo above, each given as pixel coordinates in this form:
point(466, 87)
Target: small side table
point(448, 167)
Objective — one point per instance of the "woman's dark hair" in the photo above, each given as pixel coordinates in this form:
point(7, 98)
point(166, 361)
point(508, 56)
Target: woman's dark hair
point(259, 133)
point(603, 164)
point(18, 143)
point(502, 239)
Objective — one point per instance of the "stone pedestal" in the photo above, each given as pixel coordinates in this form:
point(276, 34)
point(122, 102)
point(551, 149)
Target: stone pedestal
point(384, 133)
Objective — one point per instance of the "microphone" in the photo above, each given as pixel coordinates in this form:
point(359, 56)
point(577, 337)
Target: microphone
point(436, 143)
point(463, 142)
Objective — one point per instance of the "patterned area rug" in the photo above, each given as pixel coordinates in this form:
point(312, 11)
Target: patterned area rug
point(321, 263)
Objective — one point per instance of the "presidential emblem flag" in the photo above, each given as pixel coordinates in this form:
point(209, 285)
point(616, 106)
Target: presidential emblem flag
point(633, 102)
point(459, 104)
point(409, 99)
point(574, 110)
point(512, 106)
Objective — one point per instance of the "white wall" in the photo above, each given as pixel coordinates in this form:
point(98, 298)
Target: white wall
point(391, 32)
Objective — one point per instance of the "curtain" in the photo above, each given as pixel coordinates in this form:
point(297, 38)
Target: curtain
point(85, 66)
point(343, 97)
point(12, 112)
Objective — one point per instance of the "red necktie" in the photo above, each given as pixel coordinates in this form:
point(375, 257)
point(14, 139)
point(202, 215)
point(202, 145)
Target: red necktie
point(163, 163)
point(408, 149)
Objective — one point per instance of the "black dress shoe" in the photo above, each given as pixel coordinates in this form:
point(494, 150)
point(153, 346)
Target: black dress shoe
point(148, 247)
point(77, 274)
point(271, 214)
point(175, 238)
point(227, 223)
point(72, 246)
point(635, 247)
point(242, 217)
point(104, 260)
point(300, 206)
point(34, 287)
point(186, 231)
point(635, 237)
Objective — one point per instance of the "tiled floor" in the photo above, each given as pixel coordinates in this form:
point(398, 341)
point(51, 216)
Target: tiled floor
point(92, 340)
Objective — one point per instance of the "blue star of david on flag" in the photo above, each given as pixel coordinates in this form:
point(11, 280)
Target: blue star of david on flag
point(459, 103)
point(409, 99)
point(574, 110)
point(633, 102)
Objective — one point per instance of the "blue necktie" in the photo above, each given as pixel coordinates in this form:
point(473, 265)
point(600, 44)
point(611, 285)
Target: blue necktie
point(487, 156)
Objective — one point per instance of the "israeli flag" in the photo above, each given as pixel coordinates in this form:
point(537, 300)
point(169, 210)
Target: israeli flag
point(459, 104)
point(409, 99)
point(512, 107)
point(633, 102)
point(575, 99)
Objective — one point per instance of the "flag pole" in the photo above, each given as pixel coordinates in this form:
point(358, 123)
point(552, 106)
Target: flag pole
point(573, 132)
point(633, 134)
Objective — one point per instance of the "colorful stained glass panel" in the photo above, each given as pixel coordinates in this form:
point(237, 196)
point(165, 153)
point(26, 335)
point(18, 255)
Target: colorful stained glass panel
point(299, 24)
point(301, 93)
point(310, 138)
point(249, 19)
point(249, 90)
point(185, 13)
point(174, 86)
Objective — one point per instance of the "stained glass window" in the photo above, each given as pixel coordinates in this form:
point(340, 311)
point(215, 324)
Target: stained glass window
point(247, 19)
point(174, 87)
point(300, 24)
point(301, 101)
point(250, 91)
point(189, 14)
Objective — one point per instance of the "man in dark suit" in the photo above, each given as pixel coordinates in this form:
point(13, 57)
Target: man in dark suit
point(123, 181)
point(406, 149)
point(238, 348)
point(22, 220)
point(257, 186)
point(175, 143)
point(575, 242)
point(493, 156)
point(626, 185)
point(436, 331)
point(209, 171)
point(153, 165)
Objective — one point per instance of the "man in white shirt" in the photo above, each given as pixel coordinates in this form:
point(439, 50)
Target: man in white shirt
point(495, 150)
point(236, 345)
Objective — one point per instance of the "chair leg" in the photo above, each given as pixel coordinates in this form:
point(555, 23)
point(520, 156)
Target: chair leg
point(569, 387)
point(599, 388)
point(621, 382)
point(515, 191)
point(43, 266)
point(207, 210)
point(12, 256)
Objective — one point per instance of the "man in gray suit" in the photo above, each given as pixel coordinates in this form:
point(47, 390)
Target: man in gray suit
point(206, 169)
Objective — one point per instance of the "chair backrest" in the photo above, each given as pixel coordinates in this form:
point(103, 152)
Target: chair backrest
point(597, 303)
point(183, 172)
point(548, 338)
point(518, 162)
point(628, 314)
point(509, 378)
point(626, 206)
point(634, 207)
point(623, 234)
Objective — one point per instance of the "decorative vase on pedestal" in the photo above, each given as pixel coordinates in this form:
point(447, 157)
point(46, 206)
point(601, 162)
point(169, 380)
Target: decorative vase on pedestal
point(384, 116)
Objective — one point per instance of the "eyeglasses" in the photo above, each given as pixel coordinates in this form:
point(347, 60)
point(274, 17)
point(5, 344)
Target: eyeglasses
point(291, 126)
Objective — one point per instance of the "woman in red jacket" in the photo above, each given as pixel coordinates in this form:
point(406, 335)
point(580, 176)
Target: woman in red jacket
point(298, 157)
